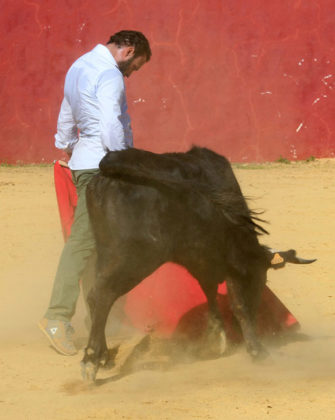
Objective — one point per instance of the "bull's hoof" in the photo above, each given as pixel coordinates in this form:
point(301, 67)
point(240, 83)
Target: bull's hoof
point(88, 372)
point(214, 345)
point(222, 344)
point(258, 353)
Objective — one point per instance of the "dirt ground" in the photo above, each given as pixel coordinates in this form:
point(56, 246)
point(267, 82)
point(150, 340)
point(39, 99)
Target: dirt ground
point(297, 380)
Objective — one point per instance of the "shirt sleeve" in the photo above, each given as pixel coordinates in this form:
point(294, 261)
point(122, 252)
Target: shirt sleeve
point(67, 131)
point(116, 132)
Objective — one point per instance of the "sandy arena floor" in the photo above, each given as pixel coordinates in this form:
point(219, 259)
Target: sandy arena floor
point(298, 380)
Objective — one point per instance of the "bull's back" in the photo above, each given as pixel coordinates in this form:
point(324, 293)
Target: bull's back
point(128, 213)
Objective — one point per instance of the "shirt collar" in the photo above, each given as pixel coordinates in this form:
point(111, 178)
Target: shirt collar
point(102, 50)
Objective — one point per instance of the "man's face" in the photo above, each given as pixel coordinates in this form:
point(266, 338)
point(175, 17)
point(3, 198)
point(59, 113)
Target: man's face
point(127, 66)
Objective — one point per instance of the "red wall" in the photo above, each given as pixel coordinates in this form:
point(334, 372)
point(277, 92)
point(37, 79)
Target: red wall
point(252, 79)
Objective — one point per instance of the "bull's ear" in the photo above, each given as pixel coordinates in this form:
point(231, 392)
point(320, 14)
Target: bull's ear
point(277, 261)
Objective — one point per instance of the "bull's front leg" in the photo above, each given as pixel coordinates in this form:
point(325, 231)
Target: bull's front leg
point(100, 301)
point(216, 332)
point(216, 341)
point(245, 313)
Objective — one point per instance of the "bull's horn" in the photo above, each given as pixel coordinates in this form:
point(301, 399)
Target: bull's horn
point(303, 260)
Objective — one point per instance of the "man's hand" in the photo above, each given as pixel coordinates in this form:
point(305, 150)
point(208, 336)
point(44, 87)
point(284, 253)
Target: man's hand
point(62, 163)
point(68, 151)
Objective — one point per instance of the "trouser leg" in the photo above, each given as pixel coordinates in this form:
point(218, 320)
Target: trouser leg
point(74, 257)
point(87, 282)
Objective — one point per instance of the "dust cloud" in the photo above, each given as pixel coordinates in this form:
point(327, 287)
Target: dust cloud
point(297, 379)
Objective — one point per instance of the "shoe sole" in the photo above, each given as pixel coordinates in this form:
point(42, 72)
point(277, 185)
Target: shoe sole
point(41, 327)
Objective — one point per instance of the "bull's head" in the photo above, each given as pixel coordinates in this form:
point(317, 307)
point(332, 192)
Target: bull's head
point(278, 259)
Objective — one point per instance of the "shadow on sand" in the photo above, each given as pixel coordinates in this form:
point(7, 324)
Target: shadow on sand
point(147, 352)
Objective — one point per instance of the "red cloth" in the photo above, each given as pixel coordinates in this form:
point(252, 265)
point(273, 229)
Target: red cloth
point(170, 301)
point(66, 197)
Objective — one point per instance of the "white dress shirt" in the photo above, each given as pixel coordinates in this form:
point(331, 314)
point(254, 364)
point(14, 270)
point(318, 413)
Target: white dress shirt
point(93, 118)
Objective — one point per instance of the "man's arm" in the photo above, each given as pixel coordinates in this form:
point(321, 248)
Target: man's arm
point(115, 126)
point(67, 131)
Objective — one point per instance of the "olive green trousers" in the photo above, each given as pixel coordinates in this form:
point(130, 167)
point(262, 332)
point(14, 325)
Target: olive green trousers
point(76, 253)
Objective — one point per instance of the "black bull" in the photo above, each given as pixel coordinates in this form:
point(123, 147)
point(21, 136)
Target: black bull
point(147, 209)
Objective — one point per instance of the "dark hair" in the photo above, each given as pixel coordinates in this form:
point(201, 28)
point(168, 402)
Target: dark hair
point(132, 39)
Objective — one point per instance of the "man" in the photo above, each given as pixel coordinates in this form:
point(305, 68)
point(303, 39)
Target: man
point(93, 120)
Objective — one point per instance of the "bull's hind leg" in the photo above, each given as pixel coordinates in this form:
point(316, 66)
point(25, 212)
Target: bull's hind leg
point(239, 290)
point(114, 278)
point(100, 300)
